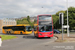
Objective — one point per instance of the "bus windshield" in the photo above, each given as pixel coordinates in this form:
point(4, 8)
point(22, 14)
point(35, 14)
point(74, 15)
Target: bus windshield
point(28, 28)
point(45, 28)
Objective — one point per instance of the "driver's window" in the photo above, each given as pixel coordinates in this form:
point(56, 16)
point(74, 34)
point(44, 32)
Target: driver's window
point(24, 30)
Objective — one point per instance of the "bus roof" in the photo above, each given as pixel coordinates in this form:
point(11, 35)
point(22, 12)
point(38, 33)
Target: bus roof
point(18, 25)
point(23, 25)
point(44, 14)
point(9, 25)
point(35, 24)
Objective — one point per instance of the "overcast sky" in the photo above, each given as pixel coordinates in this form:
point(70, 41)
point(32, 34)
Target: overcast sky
point(21, 8)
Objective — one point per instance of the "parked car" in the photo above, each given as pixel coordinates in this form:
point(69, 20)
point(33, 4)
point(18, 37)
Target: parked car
point(56, 31)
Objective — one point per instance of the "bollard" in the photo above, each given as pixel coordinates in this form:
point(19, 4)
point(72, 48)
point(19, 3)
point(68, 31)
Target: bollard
point(0, 41)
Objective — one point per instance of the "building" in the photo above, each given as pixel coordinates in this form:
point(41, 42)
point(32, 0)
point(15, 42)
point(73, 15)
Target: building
point(20, 18)
point(6, 22)
point(32, 18)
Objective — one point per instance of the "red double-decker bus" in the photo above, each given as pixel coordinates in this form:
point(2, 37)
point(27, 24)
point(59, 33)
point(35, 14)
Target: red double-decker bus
point(44, 26)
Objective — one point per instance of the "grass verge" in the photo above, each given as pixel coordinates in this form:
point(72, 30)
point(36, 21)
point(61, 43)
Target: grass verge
point(7, 37)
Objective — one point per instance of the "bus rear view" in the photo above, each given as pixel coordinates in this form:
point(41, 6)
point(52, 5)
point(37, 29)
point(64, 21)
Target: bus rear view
point(45, 26)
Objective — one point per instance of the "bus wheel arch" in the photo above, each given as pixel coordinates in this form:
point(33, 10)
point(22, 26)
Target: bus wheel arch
point(21, 33)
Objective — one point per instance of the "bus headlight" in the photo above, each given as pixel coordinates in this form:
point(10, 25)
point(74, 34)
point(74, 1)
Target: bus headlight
point(50, 33)
point(40, 33)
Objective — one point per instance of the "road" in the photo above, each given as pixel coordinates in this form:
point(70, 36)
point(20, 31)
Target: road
point(56, 46)
point(29, 42)
point(25, 42)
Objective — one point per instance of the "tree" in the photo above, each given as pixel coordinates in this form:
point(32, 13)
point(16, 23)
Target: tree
point(57, 14)
point(23, 21)
point(31, 23)
point(71, 15)
point(56, 19)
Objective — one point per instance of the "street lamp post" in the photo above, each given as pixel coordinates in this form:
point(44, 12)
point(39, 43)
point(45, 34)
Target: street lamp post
point(67, 21)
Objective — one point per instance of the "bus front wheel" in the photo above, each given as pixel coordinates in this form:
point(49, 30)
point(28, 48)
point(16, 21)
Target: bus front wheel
point(7, 32)
point(21, 33)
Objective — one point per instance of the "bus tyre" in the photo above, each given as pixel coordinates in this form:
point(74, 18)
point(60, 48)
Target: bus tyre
point(21, 33)
point(49, 37)
point(35, 35)
point(7, 32)
point(38, 38)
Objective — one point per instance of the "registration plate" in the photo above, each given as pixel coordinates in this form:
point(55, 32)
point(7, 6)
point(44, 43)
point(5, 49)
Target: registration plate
point(45, 36)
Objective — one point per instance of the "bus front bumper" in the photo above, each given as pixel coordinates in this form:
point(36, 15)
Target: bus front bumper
point(49, 34)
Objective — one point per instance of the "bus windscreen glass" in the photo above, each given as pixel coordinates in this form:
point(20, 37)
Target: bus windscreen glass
point(28, 28)
point(45, 28)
